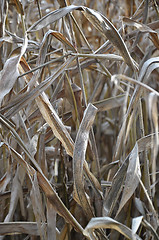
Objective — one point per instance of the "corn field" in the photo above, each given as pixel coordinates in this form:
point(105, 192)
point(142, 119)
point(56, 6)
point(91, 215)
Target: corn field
point(79, 137)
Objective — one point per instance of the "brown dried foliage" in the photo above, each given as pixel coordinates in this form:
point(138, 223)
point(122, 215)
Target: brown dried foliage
point(79, 119)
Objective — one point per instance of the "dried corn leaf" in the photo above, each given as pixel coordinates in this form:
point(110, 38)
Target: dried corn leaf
point(10, 71)
point(58, 127)
point(153, 114)
point(144, 75)
point(143, 28)
point(136, 222)
point(62, 39)
point(79, 157)
point(117, 184)
point(51, 17)
point(102, 24)
point(48, 190)
point(51, 117)
point(118, 180)
point(107, 222)
point(4, 182)
point(46, 60)
point(51, 221)
point(141, 84)
point(57, 203)
point(150, 228)
point(111, 57)
point(37, 206)
point(24, 98)
point(132, 177)
point(16, 192)
point(110, 103)
point(19, 227)
point(98, 20)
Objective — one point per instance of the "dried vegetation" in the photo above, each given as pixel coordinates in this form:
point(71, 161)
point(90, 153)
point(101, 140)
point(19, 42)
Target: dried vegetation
point(79, 119)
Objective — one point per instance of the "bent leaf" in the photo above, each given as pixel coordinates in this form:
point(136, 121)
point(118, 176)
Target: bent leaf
point(51, 17)
point(47, 189)
point(102, 24)
point(79, 157)
point(10, 72)
point(99, 21)
point(118, 180)
point(132, 177)
point(107, 222)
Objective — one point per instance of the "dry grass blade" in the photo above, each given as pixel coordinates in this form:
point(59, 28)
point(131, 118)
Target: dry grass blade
point(107, 29)
point(132, 177)
point(144, 75)
point(143, 28)
point(57, 203)
point(36, 200)
point(119, 178)
point(98, 20)
point(141, 84)
point(25, 98)
point(15, 193)
point(61, 38)
point(43, 182)
point(153, 113)
point(10, 71)
point(113, 57)
point(117, 183)
point(149, 227)
point(79, 157)
point(19, 227)
point(79, 119)
point(51, 221)
point(146, 142)
point(51, 17)
point(107, 222)
point(110, 103)
point(48, 190)
point(136, 222)
point(55, 123)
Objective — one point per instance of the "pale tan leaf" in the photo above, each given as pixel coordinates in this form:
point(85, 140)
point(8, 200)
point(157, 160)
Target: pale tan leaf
point(48, 190)
point(132, 177)
point(141, 84)
point(102, 24)
point(13, 228)
point(107, 222)
point(79, 157)
point(4, 181)
point(38, 209)
point(153, 114)
point(10, 72)
point(19, 227)
point(112, 57)
point(144, 75)
point(51, 17)
point(150, 228)
point(62, 39)
point(51, 221)
point(15, 193)
point(55, 123)
point(110, 103)
point(136, 222)
point(98, 20)
point(118, 180)
point(143, 28)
